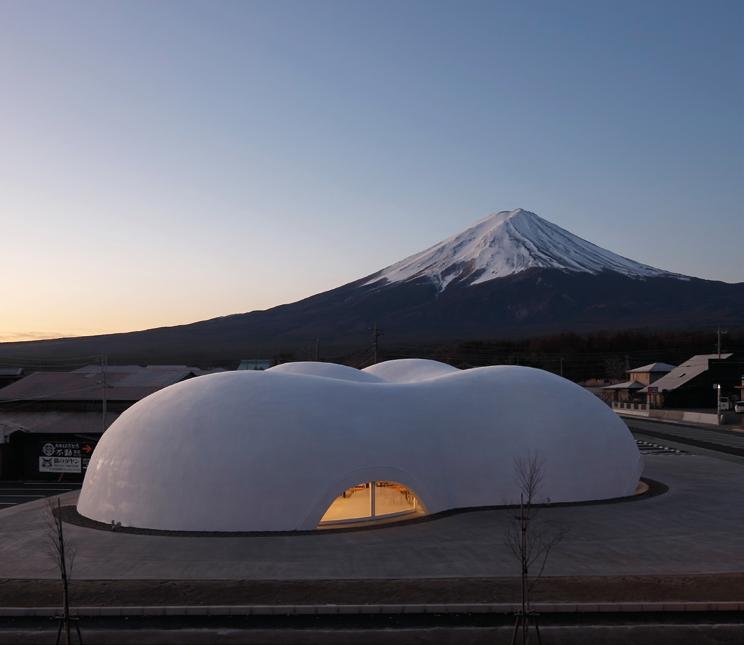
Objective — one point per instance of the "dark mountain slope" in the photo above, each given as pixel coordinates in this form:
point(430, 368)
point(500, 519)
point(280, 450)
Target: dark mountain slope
point(513, 274)
point(529, 303)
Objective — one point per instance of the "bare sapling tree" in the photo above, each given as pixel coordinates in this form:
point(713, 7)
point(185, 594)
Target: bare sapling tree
point(63, 553)
point(531, 539)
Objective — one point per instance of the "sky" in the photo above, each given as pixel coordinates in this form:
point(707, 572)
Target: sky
point(166, 162)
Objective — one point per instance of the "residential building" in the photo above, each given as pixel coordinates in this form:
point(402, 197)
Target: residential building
point(51, 421)
point(691, 385)
point(633, 390)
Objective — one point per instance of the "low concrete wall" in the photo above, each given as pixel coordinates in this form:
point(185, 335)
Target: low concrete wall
point(681, 416)
point(631, 412)
point(709, 418)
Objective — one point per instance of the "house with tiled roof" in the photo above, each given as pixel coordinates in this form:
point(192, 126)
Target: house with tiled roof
point(638, 379)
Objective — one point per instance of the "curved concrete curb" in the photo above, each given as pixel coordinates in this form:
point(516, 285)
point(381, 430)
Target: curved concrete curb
point(304, 610)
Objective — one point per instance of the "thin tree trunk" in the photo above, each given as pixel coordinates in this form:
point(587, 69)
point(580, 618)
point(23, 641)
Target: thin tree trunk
point(525, 571)
point(63, 570)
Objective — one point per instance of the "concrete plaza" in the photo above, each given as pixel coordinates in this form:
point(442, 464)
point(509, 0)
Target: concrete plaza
point(695, 527)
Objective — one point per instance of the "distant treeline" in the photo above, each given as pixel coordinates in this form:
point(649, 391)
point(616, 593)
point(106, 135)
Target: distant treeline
point(579, 357)
point(603, 355)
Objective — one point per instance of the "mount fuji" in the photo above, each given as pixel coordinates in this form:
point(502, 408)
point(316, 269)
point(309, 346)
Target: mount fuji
point(513, 274)
point(507, 243)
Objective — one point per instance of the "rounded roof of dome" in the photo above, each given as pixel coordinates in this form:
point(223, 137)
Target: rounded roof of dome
point(410, 370)
point(326, 370)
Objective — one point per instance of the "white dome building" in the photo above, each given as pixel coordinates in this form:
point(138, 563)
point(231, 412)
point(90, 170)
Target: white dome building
point(304, 445)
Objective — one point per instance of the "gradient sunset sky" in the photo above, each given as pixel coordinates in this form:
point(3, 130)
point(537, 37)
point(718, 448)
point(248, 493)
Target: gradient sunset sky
point(166, 162)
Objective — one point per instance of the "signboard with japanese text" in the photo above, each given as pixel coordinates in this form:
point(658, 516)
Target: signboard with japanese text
point(65, 456)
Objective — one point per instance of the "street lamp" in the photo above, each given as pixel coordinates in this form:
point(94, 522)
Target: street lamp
point(717, 388)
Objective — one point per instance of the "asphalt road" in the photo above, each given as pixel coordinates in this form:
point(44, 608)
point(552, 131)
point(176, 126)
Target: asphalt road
point(13, 493)
point(716, 442)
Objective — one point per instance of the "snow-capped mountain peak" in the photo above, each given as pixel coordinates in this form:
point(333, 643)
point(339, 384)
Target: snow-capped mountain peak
point(506, 243)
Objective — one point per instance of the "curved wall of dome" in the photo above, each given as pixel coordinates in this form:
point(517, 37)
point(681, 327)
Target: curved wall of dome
point(271, 451)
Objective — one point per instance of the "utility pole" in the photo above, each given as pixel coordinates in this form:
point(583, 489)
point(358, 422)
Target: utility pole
point(720, 332)
point(376, 333)
point(104, 362)
point(317, 350)
point(561, 365)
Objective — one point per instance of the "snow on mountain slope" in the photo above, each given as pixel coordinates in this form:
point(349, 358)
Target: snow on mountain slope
point(506, 243)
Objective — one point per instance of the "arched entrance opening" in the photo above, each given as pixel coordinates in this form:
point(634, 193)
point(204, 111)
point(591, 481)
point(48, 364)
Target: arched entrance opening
point(370, 502)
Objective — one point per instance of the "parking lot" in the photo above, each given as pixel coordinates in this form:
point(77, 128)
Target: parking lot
point(13, 493)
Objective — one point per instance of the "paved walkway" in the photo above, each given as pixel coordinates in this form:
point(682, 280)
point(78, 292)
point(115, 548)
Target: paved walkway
point(696, 527)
